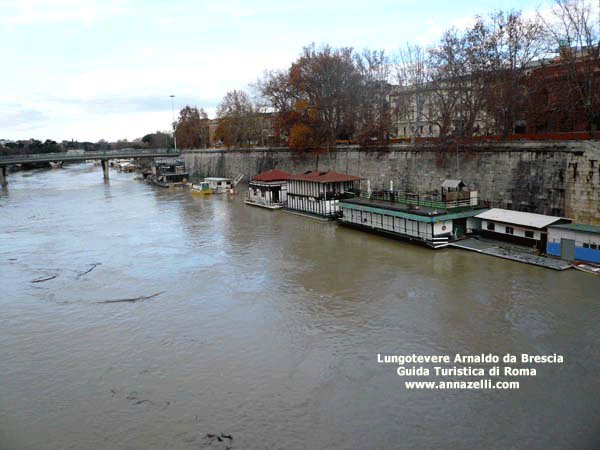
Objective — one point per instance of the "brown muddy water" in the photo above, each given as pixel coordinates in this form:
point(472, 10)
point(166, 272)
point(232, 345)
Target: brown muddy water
point(267, 328)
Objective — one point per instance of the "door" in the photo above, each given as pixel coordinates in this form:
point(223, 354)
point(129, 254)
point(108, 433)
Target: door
point(459, 227)
point(567, 249)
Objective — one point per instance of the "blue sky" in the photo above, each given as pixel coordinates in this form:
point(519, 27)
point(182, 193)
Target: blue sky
point(101, 69)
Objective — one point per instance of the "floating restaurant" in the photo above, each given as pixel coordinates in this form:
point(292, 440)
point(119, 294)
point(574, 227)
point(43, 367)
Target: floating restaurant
point(436, 219)
point(268, 189)
point(431, 219)
point(319, 193)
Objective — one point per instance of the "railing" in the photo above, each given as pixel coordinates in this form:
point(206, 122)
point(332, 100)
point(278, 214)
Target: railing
point(413, 199)
point(101, 154)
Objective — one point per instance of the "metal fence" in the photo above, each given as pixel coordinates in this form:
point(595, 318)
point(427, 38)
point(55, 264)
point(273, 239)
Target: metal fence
point(421, 200)
point(82, 156)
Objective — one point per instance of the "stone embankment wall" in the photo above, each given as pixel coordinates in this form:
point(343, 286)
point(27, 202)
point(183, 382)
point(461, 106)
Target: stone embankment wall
point(555, 178)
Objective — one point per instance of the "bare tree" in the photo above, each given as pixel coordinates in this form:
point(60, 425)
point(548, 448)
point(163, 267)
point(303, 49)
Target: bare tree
point(510, 44)
point(450, 82)
point(412, 77)
point(374, 121)
point(239, 122)
point(573, 28)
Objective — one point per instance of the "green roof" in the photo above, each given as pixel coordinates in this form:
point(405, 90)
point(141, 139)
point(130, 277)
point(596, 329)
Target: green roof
point(417, 217)
point(578, 227)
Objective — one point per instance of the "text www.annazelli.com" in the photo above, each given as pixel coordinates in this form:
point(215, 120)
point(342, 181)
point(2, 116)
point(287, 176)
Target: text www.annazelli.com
point(480, 384)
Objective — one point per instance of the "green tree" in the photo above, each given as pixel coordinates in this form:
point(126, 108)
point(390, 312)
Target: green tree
point(159, 139)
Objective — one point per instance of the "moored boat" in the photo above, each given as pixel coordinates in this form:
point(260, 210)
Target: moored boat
point(169, 180)
point(203, 189)
point(220, 185)
point(586, 267)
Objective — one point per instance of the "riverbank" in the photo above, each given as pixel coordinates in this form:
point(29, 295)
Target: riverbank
point(560, 178)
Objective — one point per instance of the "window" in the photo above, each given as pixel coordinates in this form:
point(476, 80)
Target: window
point(529, 234)
point(491, 226)
point(586, 245)
point(594, 247)
point(510, 230)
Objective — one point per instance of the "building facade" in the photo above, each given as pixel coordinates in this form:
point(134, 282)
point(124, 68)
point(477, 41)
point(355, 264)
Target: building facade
point(574, 241)
point(268, 189)
point(520, 228)
point(319, 193)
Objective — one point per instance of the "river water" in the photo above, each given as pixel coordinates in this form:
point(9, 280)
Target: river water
point(266, 327)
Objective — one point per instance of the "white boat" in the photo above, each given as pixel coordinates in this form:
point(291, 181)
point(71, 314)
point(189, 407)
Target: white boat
point(203, 189)
point(220, 185)
point(586, 267)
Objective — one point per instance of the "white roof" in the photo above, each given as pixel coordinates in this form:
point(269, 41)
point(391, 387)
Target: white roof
point(452, 184)
point(217, 179)
point(518, 218)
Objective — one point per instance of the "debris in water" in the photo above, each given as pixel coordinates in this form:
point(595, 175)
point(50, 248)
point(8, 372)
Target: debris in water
point(131, 300)
point(39, 280)
point(89, 270)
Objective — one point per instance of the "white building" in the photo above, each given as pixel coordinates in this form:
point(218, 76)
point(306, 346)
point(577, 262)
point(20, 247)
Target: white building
point(521, 228)
point(220, 185)
point(574, 241)
point(268, 189)
point(319, 193)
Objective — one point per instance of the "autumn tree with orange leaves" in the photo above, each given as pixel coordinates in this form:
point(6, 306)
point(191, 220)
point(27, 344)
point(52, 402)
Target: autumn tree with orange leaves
point(316, 100)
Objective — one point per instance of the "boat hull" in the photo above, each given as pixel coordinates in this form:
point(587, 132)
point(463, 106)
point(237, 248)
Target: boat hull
point(587, 267)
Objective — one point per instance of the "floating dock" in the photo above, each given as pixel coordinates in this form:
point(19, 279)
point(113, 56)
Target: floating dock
point(501, 250)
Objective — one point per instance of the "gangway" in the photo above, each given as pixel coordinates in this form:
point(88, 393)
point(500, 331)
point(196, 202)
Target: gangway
point(238, 179)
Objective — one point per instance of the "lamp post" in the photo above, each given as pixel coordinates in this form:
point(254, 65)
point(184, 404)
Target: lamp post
point(173, 111)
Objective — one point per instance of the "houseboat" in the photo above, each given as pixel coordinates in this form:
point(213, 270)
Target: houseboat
point(202, 189)
point(220, 185)
point(168, 172)
point(169, 180)
point(521, 228)
point(318, 193)
point(574, 241)
point(268, 189)
point(430, 219)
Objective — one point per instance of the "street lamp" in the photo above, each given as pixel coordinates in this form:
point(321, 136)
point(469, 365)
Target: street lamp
point(173, 111)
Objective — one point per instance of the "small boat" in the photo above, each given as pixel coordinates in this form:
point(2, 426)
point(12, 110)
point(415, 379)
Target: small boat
point(586, 267)
point(169, 180)
point(220, 185)
point(203, 189)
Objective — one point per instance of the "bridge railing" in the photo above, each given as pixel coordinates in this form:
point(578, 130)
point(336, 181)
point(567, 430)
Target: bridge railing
point(100, 154)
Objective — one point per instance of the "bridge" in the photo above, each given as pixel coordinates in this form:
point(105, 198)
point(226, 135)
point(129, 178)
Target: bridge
point(102, 155)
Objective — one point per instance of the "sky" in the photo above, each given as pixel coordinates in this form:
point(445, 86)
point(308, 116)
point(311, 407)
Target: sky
point(105, 69)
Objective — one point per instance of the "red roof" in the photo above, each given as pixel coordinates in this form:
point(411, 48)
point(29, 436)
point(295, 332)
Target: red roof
point(272, 175)
point(323, 177)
